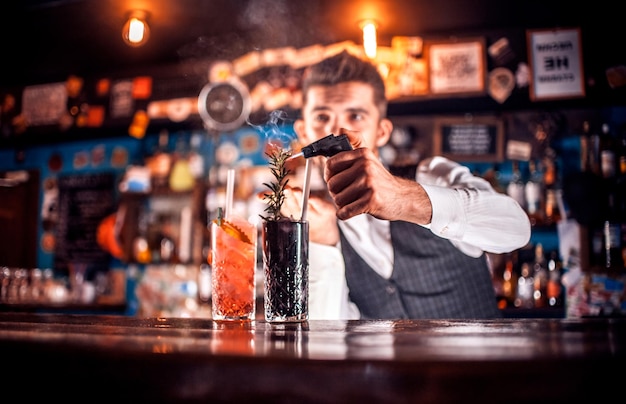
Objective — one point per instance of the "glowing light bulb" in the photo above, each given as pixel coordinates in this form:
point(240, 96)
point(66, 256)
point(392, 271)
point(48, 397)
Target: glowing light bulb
point(136, 30)
point(369, 38)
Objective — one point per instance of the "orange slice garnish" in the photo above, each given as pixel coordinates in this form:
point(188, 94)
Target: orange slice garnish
point(235, 231)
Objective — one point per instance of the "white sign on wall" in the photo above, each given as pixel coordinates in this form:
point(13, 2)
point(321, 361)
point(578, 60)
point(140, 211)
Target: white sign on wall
point(44, 104)
point(556, 60)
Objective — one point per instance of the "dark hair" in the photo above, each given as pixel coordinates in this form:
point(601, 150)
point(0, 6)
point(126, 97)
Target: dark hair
point(342, 68)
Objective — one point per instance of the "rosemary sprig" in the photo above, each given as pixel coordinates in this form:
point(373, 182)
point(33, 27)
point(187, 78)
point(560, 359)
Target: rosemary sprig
point(276, 197)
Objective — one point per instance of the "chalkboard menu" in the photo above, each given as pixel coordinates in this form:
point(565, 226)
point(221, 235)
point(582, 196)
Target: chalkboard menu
point(475, 139)
point(84, 200)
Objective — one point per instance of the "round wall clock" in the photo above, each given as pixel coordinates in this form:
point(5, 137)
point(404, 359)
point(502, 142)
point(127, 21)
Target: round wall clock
point(224, 106)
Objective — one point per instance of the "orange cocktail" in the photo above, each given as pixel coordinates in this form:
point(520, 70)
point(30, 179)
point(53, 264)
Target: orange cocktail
point(233, 266)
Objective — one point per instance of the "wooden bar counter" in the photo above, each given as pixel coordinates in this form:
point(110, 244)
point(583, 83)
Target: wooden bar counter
point(87, 358)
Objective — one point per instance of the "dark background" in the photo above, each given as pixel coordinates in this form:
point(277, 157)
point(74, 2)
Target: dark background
point(45, 40)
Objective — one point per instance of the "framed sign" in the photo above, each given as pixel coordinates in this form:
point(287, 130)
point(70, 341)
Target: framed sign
point(475, 139)
point(84, 200)
point(556, 64)
point(456, 67)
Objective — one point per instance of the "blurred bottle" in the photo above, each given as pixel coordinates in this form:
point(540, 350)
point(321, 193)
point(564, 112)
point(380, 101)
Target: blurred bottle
point(195, 157)
point(204, 283)
point(553, 187)
point(555, 289)
point(515, 187)
point(181, 177)
point(160, 162)
point(141, 247)
point(620, 191)
point(611, 259)
point(534, 191)
point(611, 251)
point(525, 288)
point(590, 147)
point(540, 278)
point(497, 263)
point(168, 252)
point(509, 280)
point(608, 161)
point(552, 212)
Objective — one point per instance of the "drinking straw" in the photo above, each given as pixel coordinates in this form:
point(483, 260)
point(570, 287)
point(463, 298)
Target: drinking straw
point(230, 187)
point(305, 190)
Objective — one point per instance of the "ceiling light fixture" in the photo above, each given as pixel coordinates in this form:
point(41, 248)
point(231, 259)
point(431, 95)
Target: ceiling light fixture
point(369, 37)
point(136, 31)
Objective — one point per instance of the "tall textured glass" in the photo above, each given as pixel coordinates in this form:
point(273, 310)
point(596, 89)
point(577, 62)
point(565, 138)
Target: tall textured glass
point(286, 270)
point(233, 265)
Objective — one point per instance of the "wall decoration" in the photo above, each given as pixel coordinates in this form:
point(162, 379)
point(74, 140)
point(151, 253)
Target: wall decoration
point(44, 104)
point(122, 104)
point(84, 200)
point(556, 64)
point(469, 139)
point(224, 106)
point(457, 66)
point(501, 83)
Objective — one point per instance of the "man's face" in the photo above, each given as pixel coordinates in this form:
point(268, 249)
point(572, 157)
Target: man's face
point(347, 105)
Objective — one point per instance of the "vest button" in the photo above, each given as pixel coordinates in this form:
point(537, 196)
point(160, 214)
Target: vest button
point(390, 290)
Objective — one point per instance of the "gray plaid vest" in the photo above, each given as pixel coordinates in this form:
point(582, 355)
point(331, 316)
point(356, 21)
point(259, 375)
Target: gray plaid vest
point(431, 279)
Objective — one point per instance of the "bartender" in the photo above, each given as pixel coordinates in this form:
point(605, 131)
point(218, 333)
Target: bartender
point(383, 246)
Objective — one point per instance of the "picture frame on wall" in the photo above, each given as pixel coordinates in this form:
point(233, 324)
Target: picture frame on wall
point(479, 138)
point(456, 66)
point(556, 62)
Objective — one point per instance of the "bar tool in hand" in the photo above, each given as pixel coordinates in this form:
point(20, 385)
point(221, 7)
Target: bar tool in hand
point(326, 146)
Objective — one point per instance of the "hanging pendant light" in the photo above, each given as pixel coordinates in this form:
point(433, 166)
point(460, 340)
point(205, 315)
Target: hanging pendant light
point(136, 30)
point(370, 44)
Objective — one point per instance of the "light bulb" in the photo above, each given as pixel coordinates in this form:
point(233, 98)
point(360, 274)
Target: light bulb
point(136, 30)
point(369, 38)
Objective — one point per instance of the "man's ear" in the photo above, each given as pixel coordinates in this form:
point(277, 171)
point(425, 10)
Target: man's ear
point(298, 127)
point(385, 127)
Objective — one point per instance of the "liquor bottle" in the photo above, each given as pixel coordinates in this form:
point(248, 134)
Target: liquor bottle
point(552, 213)
point(160, 162)
point(163, 242)
point(195, 157)
point(534, 191)
point(540, 278)
point(141, 247)
point(515, 187)
point(497, 279)
point(555, 289)
point(525, 288)
point(620, 192)
point(181, 176)
point(550, 162)
point(608, 163)
point(509, 280)
point(611, 253)
point(591, 153)
point(204, 283)
point(611, 250)
point(621, 158)
point(553, 187)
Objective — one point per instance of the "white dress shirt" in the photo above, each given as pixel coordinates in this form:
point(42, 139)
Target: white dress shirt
point(466, 210)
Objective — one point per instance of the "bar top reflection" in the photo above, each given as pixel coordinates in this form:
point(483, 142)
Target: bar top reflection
point(171, 359)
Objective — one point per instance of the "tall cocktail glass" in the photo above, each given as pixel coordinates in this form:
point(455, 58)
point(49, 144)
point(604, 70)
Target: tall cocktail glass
point(286, 270)
point(233, 266)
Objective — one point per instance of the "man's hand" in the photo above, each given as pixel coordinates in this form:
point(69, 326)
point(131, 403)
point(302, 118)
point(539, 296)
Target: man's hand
point(359, 183)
